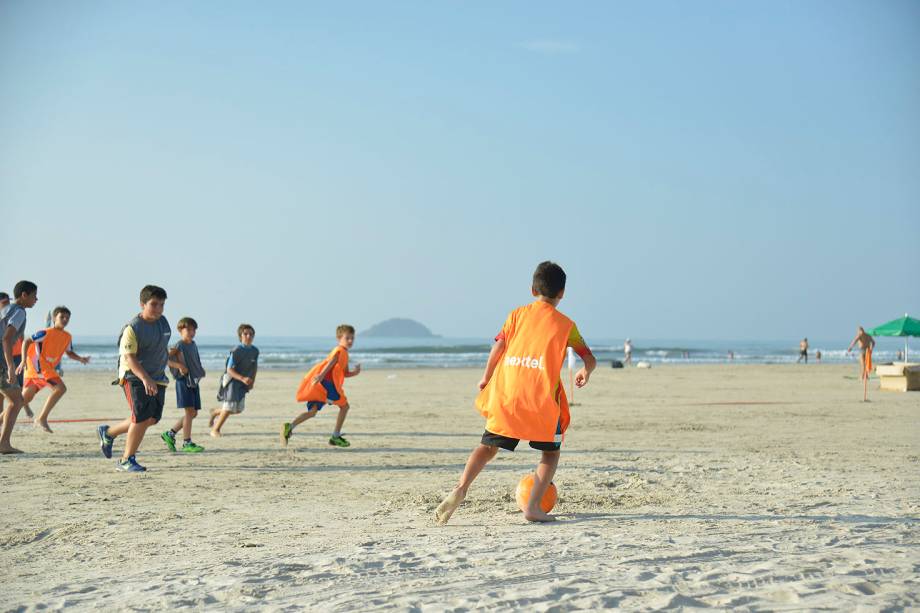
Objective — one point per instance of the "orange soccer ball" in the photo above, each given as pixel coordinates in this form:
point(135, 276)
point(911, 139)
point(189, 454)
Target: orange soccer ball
point(522, 494)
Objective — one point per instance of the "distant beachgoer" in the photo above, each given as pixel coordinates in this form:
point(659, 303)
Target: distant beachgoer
point(818, 355)
point(627, 351)
point(866, 344)
point(731, 355)
point(685, 355)
point(900, 356)
point(803, 351)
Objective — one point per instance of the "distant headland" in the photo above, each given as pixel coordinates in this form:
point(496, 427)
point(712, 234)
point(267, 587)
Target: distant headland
point(405, 328)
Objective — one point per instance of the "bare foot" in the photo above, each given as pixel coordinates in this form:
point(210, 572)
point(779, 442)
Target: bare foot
point(538, 515)
point(448, 506)
point(211, 420)
point(216, 433)
point(42, 425)
point(28, 411)
point(9, 450)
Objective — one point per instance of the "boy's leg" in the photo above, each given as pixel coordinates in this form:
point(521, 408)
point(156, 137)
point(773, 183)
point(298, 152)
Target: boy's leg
point(10, 413)
point(190, 414)
point(135, 436)
point(214, 414)
point(303, 417)
point(546, 469)
point(57, 391)
point(340, 420)
point(481, 456)
point(221, 419)
point(287, 429)
point(119, 428)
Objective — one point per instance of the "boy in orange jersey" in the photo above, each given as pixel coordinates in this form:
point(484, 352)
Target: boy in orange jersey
point(521, 395)
point(324, 384)
point(44, 351)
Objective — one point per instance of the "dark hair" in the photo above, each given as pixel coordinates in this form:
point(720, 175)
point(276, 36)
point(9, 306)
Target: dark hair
point(187, 322)
point(343, 330)
point(4, 296)
point(239, 331)
point(549, 279)
point(59, 309)
point(152, 291)
point(24, 287)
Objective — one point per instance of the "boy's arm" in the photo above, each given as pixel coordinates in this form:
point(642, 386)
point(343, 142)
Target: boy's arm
point(25, 353)
point(325, 371)
point(9, 339)
point(352, 373)
point(79, 358)
point(582, 376)
point(494, 356)
point(177, 360)
point(150, 386)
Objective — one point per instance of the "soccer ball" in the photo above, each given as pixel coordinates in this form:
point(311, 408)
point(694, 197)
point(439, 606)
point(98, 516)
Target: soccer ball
point(522, 494)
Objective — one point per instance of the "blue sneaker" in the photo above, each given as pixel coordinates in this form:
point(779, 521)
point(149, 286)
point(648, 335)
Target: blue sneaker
point(129, 466)
point(105, 441)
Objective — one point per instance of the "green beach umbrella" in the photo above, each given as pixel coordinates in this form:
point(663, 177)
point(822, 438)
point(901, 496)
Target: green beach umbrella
point(905, 326)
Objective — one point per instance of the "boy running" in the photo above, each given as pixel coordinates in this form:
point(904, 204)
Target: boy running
point(186, 368)
point(238, 380)
point(12, 327)
point(44, 351)
point(521, 395)
point(325, 384)
point(143, 350)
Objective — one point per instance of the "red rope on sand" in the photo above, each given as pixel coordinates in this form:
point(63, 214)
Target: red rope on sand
point(67, 421)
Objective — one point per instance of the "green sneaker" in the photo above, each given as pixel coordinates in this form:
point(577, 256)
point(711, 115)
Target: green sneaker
point(286, 431)
point(170, 439)
point(339, 441)
point(191, 447)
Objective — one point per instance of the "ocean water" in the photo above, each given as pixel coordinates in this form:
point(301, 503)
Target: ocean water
point(302, 352)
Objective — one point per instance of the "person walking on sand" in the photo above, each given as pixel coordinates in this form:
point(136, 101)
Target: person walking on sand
point(627, 352)
point(803, 351)
point(866, 345)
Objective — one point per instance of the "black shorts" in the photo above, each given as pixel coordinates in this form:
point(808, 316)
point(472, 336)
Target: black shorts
point(144, 407)
point(506, 442)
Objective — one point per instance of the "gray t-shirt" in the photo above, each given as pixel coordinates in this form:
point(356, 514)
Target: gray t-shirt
point(15, 316)
point(191, 359)
point(244, 360)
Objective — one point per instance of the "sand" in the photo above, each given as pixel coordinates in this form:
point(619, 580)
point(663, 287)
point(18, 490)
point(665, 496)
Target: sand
point(759, 487)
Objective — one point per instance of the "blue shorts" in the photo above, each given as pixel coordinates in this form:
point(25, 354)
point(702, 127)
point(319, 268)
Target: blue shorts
point(331, 396)
point(187, 397)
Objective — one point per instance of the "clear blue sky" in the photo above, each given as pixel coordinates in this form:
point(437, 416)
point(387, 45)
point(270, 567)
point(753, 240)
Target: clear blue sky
point(725, 170)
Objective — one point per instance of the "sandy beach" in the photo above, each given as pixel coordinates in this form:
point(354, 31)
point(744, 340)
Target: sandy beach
point(759, 487)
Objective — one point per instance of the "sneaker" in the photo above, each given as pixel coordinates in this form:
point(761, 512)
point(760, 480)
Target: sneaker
point(129, 466)
point(286, 431)
point(105, 441)
point(339, 441)
point(170, 439)
point(191, 447)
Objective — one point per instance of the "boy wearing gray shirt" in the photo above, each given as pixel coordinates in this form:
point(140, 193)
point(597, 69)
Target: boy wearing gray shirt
point(242, 366)
point(187, 371)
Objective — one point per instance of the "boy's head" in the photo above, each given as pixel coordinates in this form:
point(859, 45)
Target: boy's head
point(346, 335)
point(25, 294)
point(4, 299)
point(187, 328)
point(246, 333)
point(61, 317)
point(153, 299)
point(549, 281)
